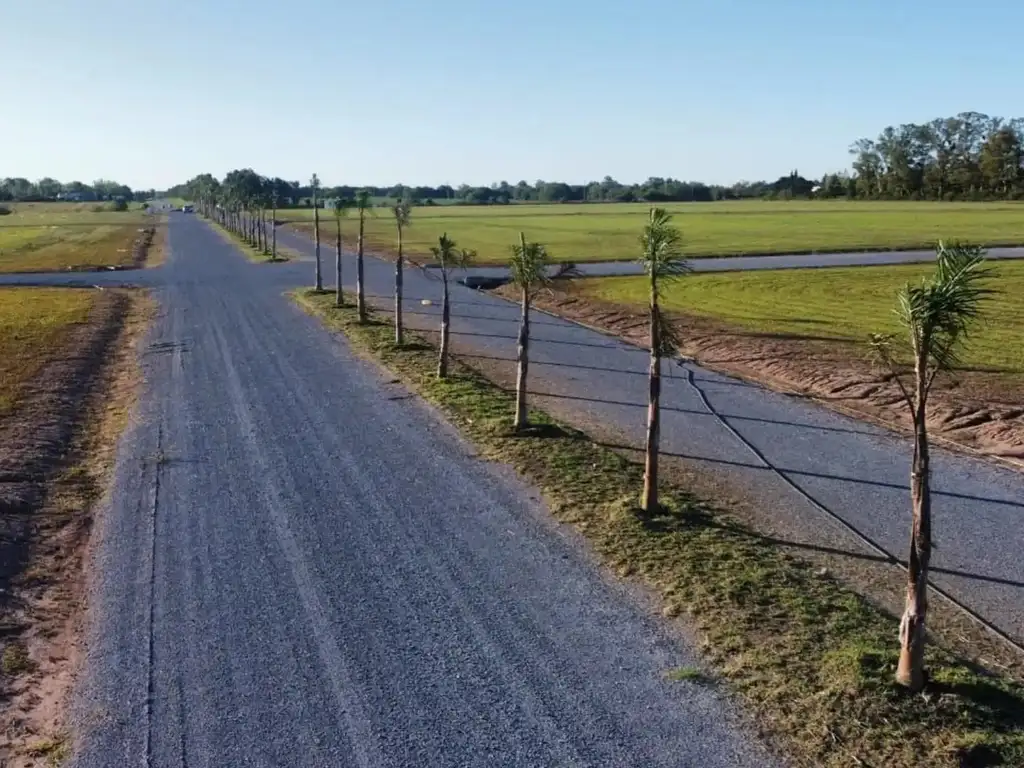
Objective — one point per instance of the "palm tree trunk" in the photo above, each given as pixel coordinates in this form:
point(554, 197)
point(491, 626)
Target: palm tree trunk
point(649, 501)
point(399, 277)
point(316, 243)
point(522, 361)
point(360, 295)
point(442, 357)
point(273, 232)
point(339, 299)
point(910, 671)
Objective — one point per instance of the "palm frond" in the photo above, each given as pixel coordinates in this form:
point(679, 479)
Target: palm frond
point(662, 246)
point(342, 206)
point(528, 265)
point(566, 270)
point(938, 313)
point(402, 212)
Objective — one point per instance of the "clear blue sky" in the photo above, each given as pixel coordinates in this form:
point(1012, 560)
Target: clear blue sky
point(151, 92)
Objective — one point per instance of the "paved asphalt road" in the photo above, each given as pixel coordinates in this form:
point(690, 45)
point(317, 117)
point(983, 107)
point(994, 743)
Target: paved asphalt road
point(794, 261)
point(302, 566)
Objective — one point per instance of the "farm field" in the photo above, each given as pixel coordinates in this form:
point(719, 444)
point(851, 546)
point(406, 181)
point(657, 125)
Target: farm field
point(34, 323)
point(846, 304)
point(39, 237)
point(609, 232)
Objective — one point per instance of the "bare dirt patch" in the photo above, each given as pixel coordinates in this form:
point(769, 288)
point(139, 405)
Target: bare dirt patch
point(982, 411)
point(56, 451)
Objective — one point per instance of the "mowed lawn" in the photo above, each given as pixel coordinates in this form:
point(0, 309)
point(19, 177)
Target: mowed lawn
point(40, 237)
point(609, 232)
point(33, 324)
point(847, 304)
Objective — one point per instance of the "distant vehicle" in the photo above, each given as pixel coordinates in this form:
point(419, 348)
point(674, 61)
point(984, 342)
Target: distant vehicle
point(187, 209)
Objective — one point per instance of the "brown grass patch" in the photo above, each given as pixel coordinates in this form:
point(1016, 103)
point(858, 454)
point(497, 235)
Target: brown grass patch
point(56, 452)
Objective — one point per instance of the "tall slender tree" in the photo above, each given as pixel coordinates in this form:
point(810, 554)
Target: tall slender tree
point(342, 205)
point(275, 194)
point(662, 259)
point(449, 257)
point(314, 185)
point(363, 202)
point(937, 315)
point(402, 212)
point(528, 268)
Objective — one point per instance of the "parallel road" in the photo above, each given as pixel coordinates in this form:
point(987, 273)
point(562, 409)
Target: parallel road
point(747, 263)
point(858, 471)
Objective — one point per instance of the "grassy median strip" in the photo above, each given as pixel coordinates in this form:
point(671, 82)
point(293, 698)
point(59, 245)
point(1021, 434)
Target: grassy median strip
point(250, 251)
point(814, 659)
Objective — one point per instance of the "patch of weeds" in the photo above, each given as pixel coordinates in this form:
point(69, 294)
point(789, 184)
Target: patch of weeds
point(688, 675)
point(55, 750)
point(811, 658)
point(15, 660)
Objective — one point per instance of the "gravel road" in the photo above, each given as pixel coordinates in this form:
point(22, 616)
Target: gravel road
point(296, 612)
point(303, 566)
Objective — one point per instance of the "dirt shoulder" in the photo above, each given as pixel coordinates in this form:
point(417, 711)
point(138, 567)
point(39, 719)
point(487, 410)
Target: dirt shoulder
point(980, 411)
point(56, 454)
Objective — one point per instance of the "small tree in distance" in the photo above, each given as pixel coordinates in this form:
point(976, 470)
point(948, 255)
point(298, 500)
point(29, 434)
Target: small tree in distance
point(449, 257)
point(936, 315)
point(402, 212)
point(342, 206)
point(314, 184)
point(528, 268)
point(363, 203)
point(662, 259)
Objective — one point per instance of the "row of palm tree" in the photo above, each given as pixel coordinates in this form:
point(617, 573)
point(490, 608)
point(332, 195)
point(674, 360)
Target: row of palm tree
point(241, 204)
point(936, 315)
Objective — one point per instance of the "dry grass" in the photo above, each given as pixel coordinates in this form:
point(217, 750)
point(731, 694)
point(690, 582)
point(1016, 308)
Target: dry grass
point(44, 237)
point(57, 447)
point(34, 323)
point(812, 659)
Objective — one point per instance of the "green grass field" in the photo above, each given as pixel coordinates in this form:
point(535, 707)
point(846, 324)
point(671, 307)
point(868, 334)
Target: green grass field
point(33, 322)
point(57, 236)
point(844, 303)
point(608, 232)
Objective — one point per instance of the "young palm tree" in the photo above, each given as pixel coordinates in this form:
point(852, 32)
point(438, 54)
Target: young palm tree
point(528, 268)
point(342, 205)
point(402, 211)
point(936, 314)
point(274, 194)
point(314, 184)
point(363, 203)
point(663, 261)
point(449, 257)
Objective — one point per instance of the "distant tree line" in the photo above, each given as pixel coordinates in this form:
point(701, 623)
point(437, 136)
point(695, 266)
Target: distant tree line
point(45, 190)
point(968, 157)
